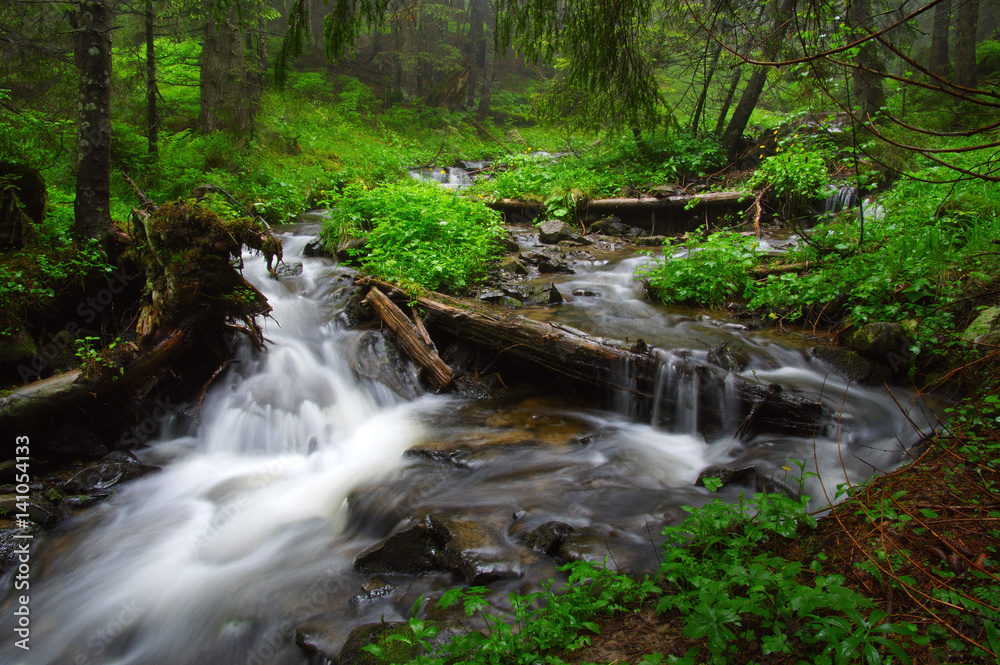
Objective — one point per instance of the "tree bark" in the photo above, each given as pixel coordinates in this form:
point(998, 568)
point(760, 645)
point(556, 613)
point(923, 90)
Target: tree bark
point(227, 95)
point(486, 82)
point(868, 95)
point(92, 207)
point(152, 119)
point(965, 43)
point(755, 86)
point(598, 363)
point(940, 63)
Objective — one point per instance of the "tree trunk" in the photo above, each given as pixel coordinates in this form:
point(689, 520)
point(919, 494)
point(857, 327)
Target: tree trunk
point(748, 101)
point(940, 64)
point(227, 95)
point(734, 83)
point(92, 207)
point(868, 95)
point(486, 82)
point(477, 44)
point(965, 43)
point(709, 74)
point(152, 119)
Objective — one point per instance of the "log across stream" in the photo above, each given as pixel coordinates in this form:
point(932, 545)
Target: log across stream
point(321, 485)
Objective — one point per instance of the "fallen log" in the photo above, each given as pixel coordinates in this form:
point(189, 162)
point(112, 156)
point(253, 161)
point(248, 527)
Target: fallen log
point(662, 215)
point(72, 387)
point(417, 345)
point(754, 407)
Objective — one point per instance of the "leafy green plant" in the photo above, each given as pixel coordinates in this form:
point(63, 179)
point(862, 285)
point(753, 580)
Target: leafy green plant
point(794, 173)
point(558, 618)
point(417, 233)
point(707, 273)
point(740, 599)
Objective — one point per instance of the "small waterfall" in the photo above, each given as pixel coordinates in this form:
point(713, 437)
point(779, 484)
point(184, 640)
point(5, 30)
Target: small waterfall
point(452, 177)
point(846, 198)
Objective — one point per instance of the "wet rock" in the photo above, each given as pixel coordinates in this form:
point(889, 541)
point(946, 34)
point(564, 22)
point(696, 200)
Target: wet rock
point(509, 244)
point(554, 231)
point(729, 475)
point(293, 269)
point(377, 358)
point(393, 651)
point(477, 548)
point(315, 248)
point(650, 241)
point(727, 358)
point(548, 538)
point(105, 477)
point(412, 551)
point(586, 293)
point(548, 264)
point(513, 264)
point(373, 591)
point(322, 635)
point(12, 543)
point(882, 342)
point(610, 226)
point(549, 295)
point(39, 509)
point(317, 216)
point(624, 552)
point(852, 366)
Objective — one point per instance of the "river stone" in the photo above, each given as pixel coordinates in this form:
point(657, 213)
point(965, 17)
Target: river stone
point(40, 510)
point(729, 475)
point(851, 365)
point(514, 265)
point(316, 247)
point(393, 651)
point(11, 540)
point(623, 552)
point(610, 226)
point(475, 546)
point(103, 478)
point(548, 538)
point(650, 241)
point(412, 551)
point(293, 269)
point(883, 342)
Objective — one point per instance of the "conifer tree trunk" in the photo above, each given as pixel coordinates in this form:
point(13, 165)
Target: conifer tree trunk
point(868, 94)
point(486, 82)
point(152, 118)
point(227, 94)
point(92, 207)
point(940, 63)
point(965, 43)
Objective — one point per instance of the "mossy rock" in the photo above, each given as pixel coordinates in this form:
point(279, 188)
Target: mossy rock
point(17, 347)
point(986, 322)
point(392, 650)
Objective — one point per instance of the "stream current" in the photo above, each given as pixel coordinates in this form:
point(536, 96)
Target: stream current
point(302, 457)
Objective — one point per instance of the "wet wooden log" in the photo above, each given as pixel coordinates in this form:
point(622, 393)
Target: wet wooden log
point(417, 345)
point(605, 365)
point(70, 388)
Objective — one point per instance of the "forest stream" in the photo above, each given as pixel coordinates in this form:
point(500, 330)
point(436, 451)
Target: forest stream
point(304, 457)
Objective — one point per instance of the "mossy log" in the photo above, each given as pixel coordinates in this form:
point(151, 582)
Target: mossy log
point(70, 388)
point(602, 364)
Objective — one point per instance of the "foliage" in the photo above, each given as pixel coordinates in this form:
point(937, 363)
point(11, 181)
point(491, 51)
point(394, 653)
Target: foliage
point(741, 599)
point(793, 173)
point(417, 233)
point(539, 623)
point(612, 166)
point(706, 273)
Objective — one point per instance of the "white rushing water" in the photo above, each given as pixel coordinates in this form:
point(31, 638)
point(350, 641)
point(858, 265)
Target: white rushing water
point(253, 523)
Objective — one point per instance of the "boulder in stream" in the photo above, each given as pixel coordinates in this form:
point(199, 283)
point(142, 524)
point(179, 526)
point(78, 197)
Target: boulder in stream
point(477, 548)
point(554, 231)
point(106, 476)
point(549, 537)
point(883, 342)
point(852, 366)
point(411, 551)
point(393, 651)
